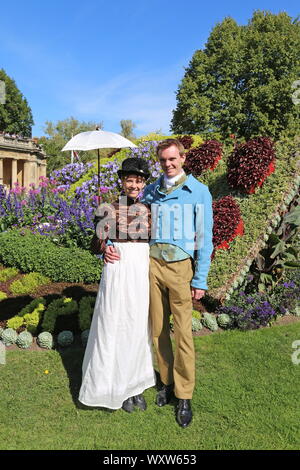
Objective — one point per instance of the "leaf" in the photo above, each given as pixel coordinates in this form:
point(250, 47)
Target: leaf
point(293, 217)
point(292, 264)
point(279, 248)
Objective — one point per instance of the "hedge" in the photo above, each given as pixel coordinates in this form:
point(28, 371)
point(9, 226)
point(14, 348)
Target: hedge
point(31, 252)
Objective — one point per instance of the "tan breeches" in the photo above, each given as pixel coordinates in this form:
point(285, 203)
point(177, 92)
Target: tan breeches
point(170, 292)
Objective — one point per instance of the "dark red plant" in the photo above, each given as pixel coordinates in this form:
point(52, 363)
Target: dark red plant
point(250, 164)
point(186, 140)
point(113, 152)
point(227, 222)
point(204, 157)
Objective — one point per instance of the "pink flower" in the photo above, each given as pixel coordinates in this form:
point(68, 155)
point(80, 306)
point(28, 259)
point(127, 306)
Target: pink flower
point(23, 202)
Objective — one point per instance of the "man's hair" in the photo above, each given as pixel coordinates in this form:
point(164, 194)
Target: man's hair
point(165, 144)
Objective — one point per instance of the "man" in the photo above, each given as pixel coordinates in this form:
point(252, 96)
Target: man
point(180, 256)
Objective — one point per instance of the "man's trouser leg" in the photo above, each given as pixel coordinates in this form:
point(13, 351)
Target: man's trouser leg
point(170, 293)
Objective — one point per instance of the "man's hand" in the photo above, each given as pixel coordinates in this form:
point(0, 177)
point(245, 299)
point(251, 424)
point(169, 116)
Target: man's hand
point(111, 255)
point(197, 294)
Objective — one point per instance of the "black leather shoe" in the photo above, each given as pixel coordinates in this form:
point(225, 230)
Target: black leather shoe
point(164, 395)
point(140, 402)
point(128, 405)
point(184, 413)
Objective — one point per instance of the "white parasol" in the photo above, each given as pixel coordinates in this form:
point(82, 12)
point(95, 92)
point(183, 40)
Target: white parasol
point(95, 140)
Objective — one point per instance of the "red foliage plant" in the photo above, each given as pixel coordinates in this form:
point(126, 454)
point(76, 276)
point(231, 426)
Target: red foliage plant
point(203, 157)
point(227, 222)
point(250, 164)
point(186, 141)
point(113, 152)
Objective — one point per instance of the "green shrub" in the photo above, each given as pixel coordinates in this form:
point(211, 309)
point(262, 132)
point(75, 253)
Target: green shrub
point(85, 337)
point(86, 309)
point(15, 322)
point(32, 252)
point(3, 295)
point(8, 273)
point(65, 306)
point(29, 316)
point(196, 314)
point(28, 284)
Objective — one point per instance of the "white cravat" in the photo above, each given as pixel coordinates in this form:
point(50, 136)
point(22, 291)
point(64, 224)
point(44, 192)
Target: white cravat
point(168, 182)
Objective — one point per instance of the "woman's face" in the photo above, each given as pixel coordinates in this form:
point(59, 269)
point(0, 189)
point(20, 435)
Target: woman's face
point(133, 185)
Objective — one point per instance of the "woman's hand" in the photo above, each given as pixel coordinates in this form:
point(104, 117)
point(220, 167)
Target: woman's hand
point(111, 255)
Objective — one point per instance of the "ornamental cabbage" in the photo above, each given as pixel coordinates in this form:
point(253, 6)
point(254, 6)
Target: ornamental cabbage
point(65, 338)
point(9, 336)
point(209, 321)
point(24, 339)
point(45, 340)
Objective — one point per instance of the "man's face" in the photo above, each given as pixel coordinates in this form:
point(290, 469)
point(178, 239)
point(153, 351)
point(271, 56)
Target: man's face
point(171, 161)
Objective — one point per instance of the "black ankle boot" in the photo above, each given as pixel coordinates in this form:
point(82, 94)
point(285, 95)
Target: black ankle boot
point(164, 395)
point(128, 405)
point(140, 402)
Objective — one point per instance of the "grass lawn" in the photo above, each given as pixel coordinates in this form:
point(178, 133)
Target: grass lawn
point(247, 397)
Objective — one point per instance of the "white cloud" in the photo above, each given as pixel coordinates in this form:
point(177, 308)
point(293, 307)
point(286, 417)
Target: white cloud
point(146, 98)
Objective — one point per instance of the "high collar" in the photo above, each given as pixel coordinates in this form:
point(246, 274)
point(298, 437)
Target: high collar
point(127, 200)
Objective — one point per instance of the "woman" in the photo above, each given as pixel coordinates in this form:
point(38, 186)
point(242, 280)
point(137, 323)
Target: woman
point(117, 365)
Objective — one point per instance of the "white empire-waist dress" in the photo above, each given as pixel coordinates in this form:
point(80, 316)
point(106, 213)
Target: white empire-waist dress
point(118, 361)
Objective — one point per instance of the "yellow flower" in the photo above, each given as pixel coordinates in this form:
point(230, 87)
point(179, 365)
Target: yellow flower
point(46, 371)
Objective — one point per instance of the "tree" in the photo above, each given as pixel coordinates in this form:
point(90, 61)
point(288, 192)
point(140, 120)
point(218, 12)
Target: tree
point(241, 82)
point(127, 127)
point(58, 135)
point(15, 113)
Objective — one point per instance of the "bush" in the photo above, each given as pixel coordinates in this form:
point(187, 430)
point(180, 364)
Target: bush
point(249, 312)
point(8, 273)
point(205, 157)
point(86, 309)
point(3, 295)
point(29, 252)
point(250, 163)
point(28, 284)
point(227, 221)
point(65, 306)
point(29, 316)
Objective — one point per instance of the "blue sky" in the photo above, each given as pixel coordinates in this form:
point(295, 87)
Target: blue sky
point(110, 60)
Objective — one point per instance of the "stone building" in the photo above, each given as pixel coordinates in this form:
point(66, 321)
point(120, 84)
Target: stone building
point(21, 160)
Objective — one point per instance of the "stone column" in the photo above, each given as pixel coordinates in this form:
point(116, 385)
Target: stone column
point(42, 169)
point(14, 171)
point(1, 170)
point(26, 174)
